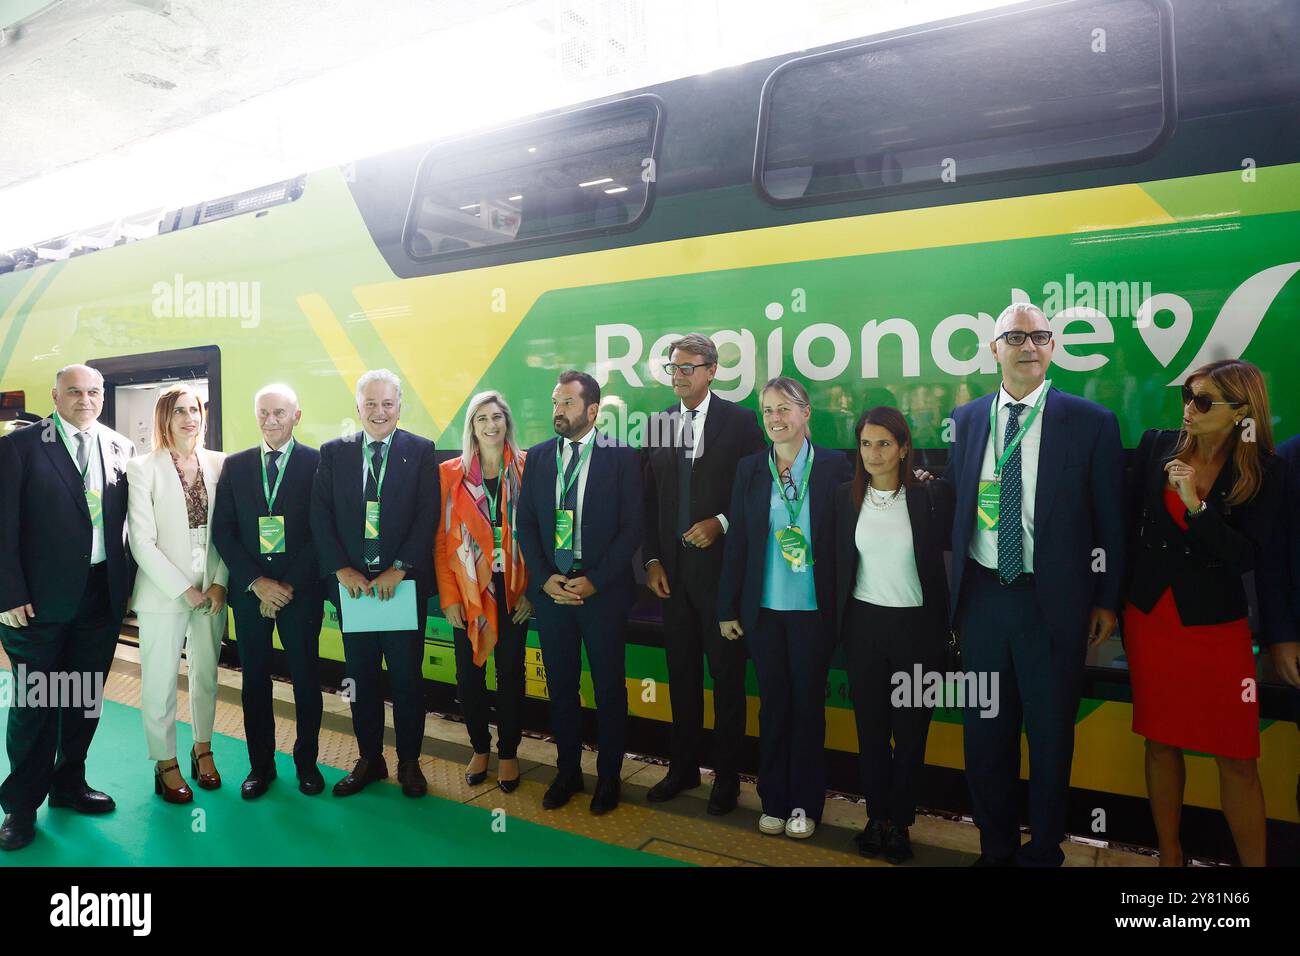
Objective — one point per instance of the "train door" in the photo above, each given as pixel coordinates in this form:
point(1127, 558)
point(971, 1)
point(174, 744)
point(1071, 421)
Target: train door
point(132, 384)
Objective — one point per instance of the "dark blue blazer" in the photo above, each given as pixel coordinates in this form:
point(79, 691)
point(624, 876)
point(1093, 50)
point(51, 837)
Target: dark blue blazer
point(611, 518)
point(1277, 579)
point(1078, 505)
point(45, 529)
point(408, 508)
point(744, 559)
point(240, 503)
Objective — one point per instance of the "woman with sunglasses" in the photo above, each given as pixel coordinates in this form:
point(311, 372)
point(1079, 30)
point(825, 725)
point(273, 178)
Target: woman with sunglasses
point(778, 592)
point(1203, 500)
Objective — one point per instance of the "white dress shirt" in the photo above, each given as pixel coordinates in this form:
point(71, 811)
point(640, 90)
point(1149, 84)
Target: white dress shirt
point(585, 467)
point(94, 478)
point(984, 544)
point(696, 450)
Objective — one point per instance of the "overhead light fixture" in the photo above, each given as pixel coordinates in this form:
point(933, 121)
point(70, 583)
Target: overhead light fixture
point(616, 189)
point(597, 182)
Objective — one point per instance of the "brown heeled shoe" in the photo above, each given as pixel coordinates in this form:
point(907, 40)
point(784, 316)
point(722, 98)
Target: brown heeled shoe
point(208, 781)
point(181, 794)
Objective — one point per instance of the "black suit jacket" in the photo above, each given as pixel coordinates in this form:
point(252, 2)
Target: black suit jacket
point(45, 529)
point(239, 505)
point(1203, 564)
point(744, 561)
point(1277, 579)
point(408, 509)
point(929, 509)
point(611, 518)
point(730, 433)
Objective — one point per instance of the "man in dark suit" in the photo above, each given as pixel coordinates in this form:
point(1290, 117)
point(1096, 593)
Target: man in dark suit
point(1277, 581)
point(261, 526)
point(1038, 551)
point(690, 467)
point(65, 578)
point(580, 524)
point(387, 474)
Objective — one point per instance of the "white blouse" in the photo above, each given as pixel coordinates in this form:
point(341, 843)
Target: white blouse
point(886, 559)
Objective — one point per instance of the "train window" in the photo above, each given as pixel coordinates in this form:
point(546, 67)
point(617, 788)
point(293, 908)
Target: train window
point(583, 172)
point(1043, 90)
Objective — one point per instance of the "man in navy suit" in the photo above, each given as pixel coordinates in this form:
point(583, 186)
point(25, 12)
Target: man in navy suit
point(388, 474)
point(65, 578)
point(1277, 581)
point(1038, 546)
point(580, 524)
point(261, 526)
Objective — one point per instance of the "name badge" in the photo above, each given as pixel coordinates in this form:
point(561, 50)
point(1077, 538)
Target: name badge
point(794, 547)
point(563, 529)
point(496, 537)
point(270, 534)
point(986, 508)
point(95, 505)
point(372, 519)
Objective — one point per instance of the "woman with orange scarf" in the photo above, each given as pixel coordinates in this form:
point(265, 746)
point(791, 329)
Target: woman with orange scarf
point(481, 581)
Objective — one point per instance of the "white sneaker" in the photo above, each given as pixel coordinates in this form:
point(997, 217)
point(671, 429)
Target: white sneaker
point(799, 828)
point(772, 826)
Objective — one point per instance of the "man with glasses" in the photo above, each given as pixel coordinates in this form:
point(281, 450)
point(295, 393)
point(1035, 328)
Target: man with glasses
point(690, 468)
point(1038, 548)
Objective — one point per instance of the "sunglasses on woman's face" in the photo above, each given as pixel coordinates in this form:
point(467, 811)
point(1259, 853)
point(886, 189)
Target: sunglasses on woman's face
point(1203, 403)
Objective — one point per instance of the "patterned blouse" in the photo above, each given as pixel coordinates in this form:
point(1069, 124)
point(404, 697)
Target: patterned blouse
point(196, 495)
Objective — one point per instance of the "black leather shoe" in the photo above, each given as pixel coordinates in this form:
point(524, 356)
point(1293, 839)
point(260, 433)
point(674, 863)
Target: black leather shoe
point(671, 785)
point(606, 796)
point(310, 780)
point(474, 779)
point(723, 796)
point(898, 845)
point(364, 773)
point(411, 778)
point(872, 838)
point(985, 860)
point(257, 782)
point(560, 790)
point(84, 800)
point(18, 830)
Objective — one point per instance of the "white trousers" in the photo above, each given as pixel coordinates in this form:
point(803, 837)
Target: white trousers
point(162, 636)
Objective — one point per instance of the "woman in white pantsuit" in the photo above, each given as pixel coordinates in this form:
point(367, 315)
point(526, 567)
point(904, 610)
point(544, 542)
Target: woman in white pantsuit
point(180, 589)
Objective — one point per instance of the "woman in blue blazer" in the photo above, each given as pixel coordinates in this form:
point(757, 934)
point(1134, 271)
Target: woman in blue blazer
point(778, 592)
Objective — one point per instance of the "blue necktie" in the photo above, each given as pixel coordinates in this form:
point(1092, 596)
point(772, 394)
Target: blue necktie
point(1011, 535)
point(564, 556)
point(370, 546)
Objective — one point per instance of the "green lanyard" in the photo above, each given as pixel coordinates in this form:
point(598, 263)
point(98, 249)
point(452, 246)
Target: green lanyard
point(67, 443)
point(792, 507)
point(492, 498)
point(1024, 427)
point(267, 491)
point(561, 486)
point(383, 470)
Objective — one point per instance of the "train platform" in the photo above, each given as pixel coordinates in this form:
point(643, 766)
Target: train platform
point(456, 825)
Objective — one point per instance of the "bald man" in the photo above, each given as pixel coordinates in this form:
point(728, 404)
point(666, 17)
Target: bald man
point(1038, 548)
point(65, 577)
point(261, 526)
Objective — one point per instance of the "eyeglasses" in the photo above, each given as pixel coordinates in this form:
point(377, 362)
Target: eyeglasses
point(1203, 403)
point(1017, 339)
point(672, 368)
point(788, 488)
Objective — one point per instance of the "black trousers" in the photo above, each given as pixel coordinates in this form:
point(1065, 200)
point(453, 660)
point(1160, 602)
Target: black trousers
point(791, 653)
point(47, 740)
point(599, 625)
point(691, 634)
point(1039, 672)
point(299, 625)
point(471, 682)
point(880, 642)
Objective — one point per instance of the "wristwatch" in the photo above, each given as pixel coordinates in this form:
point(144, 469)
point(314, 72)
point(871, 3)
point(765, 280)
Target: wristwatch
point(1200, 510)
point(401, 565)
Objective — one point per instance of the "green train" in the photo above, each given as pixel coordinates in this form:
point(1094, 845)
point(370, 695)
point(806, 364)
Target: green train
point(854, 216)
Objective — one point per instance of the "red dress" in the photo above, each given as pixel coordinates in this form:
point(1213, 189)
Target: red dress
point(1188, 681)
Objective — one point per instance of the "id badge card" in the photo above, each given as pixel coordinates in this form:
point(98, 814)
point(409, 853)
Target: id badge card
point(986, 507)
point(95, 505)
point(563, 529)
point(372, 519)
point(794, 547)
point(270, 534)
point(496, 537)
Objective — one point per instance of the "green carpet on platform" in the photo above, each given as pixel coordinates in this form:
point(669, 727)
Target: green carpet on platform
point(378, 827)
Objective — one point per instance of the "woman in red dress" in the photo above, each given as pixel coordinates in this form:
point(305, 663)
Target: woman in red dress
point(1203, 500)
